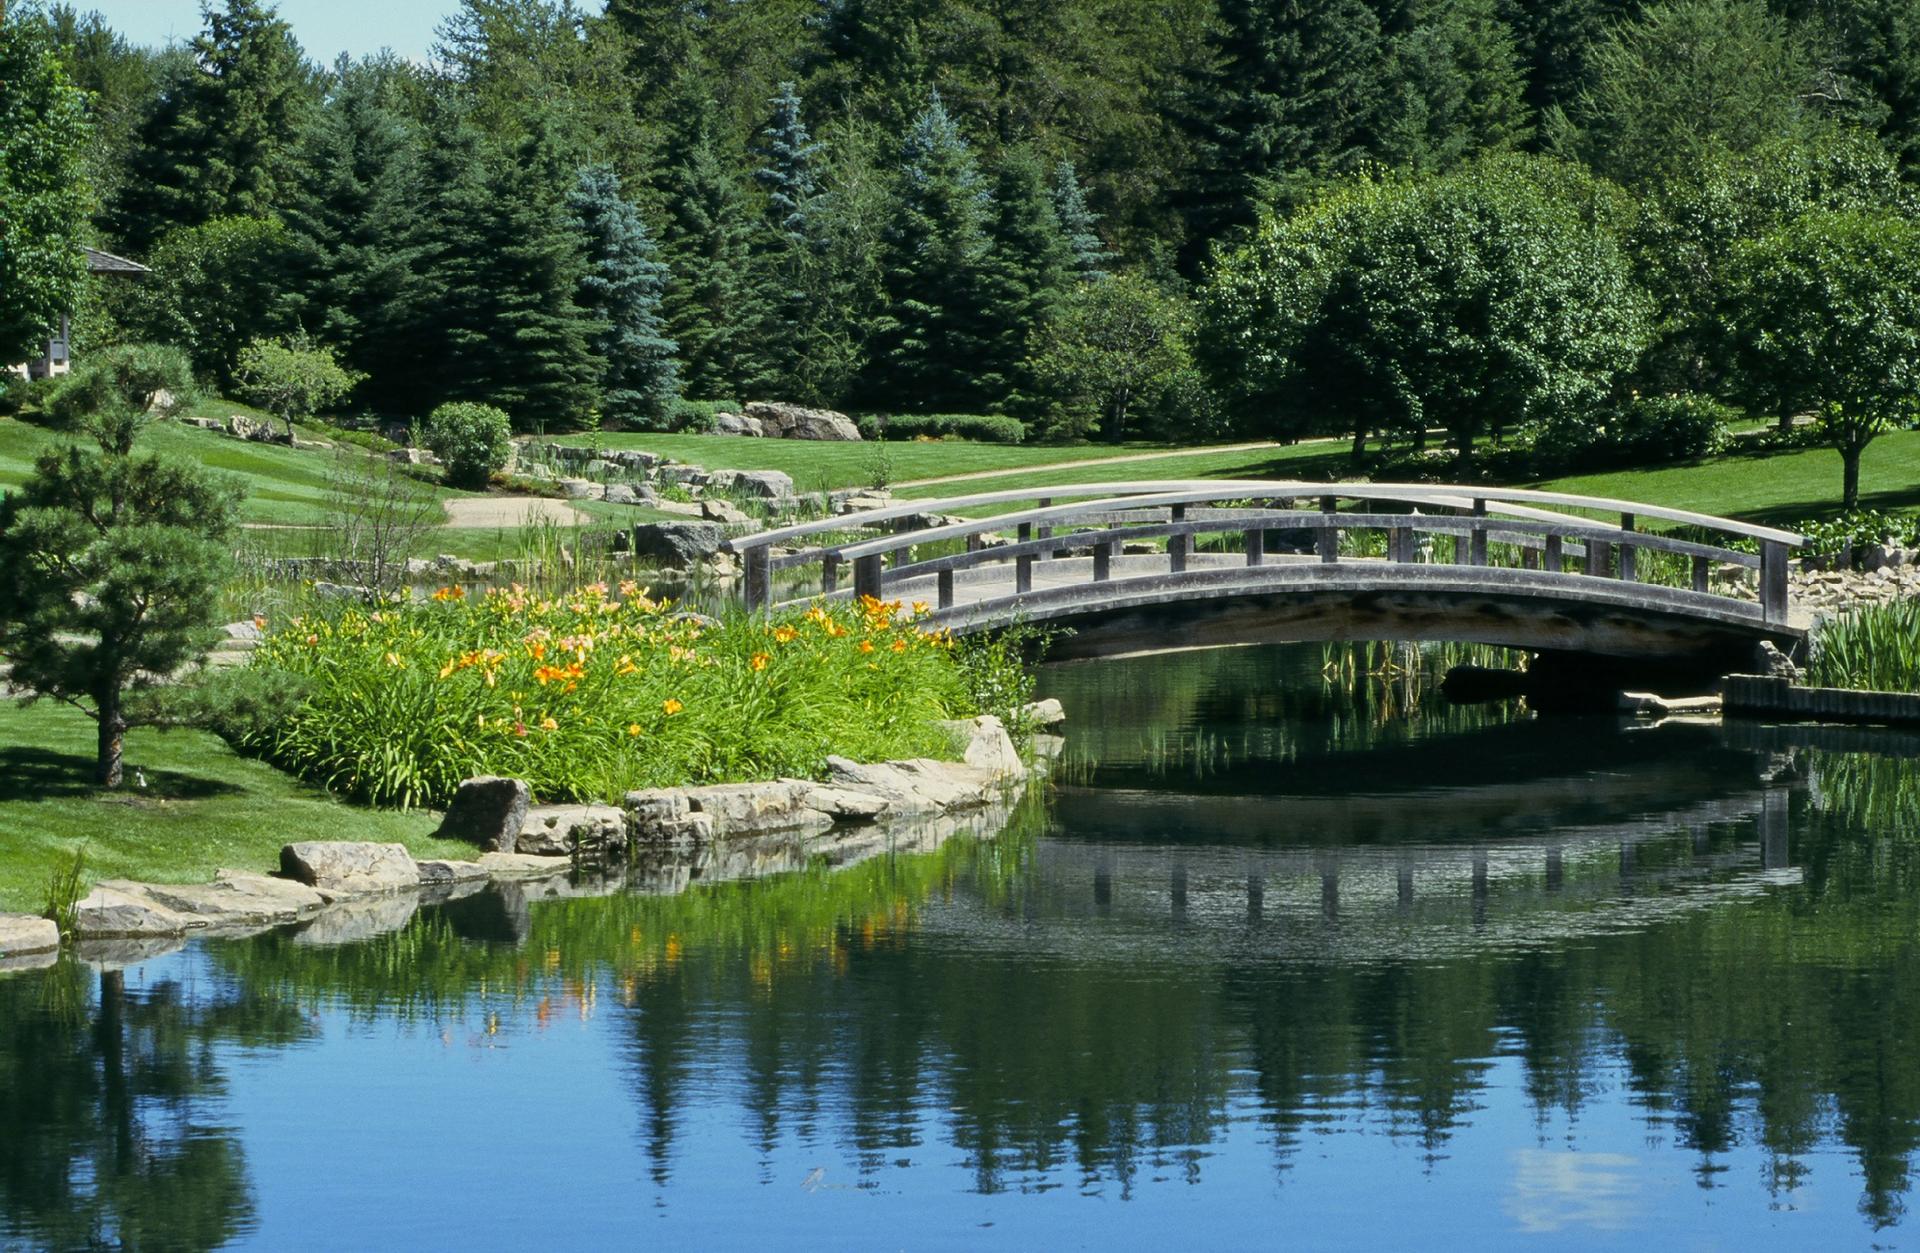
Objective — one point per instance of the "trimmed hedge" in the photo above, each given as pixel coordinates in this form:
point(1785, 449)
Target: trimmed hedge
point(987, 428)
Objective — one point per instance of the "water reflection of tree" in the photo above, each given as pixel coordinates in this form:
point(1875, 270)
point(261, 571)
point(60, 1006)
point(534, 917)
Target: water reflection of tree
point(1781, 1021)
point(106, 1103)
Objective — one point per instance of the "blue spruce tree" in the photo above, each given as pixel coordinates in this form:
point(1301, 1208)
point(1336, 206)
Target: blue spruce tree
point(1077, 222)
point(622, 289)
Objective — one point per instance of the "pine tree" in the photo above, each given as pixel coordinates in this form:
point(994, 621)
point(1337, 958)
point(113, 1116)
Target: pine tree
point(217, 140)
point(1458, 86)
point(928, 343)
point(710, 305)
point(1294, 89)
point(622, 288)
point(355, 217)
point(1077, 223)
point(1029, 269)
point(789, 254)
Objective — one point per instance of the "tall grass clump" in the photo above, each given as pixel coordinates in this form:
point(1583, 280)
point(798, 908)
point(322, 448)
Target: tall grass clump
point(591, 694)
point(1871, 648)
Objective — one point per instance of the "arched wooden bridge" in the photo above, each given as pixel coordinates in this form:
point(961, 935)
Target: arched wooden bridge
point(1143, 567)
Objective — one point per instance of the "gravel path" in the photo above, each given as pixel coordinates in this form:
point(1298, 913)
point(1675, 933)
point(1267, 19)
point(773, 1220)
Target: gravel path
point(511, 511)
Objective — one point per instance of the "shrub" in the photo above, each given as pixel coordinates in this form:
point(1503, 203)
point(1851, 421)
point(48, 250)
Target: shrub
point(697, 415)
point(1639, 431)
point(1858, 529)
point(473, 439)
point(988, 428)
point(18, 394)
point(131, 376)
point(590, 695)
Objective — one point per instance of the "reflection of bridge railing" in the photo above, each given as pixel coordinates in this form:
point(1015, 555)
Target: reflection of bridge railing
point(1559, 549)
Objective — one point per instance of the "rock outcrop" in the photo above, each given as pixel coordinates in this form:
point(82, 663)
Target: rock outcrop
point(23, 935)
point(779, 420)
point(350, 868)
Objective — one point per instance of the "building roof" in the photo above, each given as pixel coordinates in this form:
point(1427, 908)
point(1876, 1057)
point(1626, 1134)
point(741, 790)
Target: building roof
point(106, 263)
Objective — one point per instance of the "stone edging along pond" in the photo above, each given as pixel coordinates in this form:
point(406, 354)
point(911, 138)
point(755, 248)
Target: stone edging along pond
point(348, 891)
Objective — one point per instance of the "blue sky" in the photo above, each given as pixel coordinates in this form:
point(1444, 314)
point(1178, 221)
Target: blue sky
point(325, 28)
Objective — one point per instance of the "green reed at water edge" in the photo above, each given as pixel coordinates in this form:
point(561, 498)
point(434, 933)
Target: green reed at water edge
point(1871, 647)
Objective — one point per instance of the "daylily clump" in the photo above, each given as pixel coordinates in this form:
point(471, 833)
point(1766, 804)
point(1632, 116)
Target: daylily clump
point(605, 690)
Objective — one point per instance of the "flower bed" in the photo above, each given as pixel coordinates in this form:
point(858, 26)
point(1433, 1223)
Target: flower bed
point(601, 692)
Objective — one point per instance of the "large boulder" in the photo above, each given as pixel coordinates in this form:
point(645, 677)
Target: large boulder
point(725, 512)
point(23, 933)
point(920, 785)
point(784, 421)
point(234, 899)
point(677, 545)
point(346, 868)
point(487, 811)
point(764, 484)
point(737, 424)
point(562, 830)
point(631, 494)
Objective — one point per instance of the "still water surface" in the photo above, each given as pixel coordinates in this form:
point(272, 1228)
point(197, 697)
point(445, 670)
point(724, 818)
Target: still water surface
point(1276, 964)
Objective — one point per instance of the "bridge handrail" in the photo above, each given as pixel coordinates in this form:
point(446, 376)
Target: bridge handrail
point(1447, 496)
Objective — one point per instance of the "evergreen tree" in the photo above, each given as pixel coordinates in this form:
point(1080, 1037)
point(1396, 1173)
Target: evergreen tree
point(1690, 78)
point(1292, 94)
point(217, 138)
point(928, 343)
point(711, 306)
point(622, 288)
point(1030, 267)
point(43, 192)
point(355, 218)
point(1077, 222)
point(1555, 40)
point(1457, 86)
point(496, 319)
point(790, 252)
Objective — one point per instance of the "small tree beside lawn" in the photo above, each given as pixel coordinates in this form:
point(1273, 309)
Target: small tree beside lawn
point(292, 378)
point(110, 570)
point(1825, 316)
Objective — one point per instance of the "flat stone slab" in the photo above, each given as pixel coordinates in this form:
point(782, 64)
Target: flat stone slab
point(118, 912)
point(522, 865)
point(24, 934)
point(560, 830)
point(438, 872)
point(345, 867)
point(234, 899)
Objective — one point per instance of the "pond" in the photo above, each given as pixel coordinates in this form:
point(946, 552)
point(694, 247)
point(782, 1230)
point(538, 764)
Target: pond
point(1277, 960)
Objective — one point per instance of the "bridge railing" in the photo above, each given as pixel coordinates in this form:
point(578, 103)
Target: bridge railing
point(1551, 532)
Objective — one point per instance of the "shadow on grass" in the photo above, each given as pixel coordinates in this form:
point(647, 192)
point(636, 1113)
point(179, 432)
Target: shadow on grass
point(37, 774)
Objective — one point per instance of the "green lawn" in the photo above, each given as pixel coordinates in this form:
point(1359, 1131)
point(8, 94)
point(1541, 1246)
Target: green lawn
point(205, 807)
point(1782, 488)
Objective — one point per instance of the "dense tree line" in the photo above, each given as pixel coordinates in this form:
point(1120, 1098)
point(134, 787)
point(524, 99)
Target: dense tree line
point(1118, 217)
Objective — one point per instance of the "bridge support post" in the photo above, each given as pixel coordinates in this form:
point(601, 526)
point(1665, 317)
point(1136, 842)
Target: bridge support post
point(1477, 548)
point(1023, 574)
point(946, 589)
point(1328, 540)
point(830, 574)
point(1045, 532)
point(1700, 572)
point(1773, 581)
point(1627, 574)
point(1551, 560)
point(1178, 546)
point(1599, 559)
point(759, 577)
point(1400, 544)
point(1256, 544)
point(1103, 561)
point(867, 577)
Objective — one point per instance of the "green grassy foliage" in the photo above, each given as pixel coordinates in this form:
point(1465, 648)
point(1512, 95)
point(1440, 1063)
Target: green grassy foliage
point(1779, 488)
point(204, 807)
point(588, 696)
point(1874, 648)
